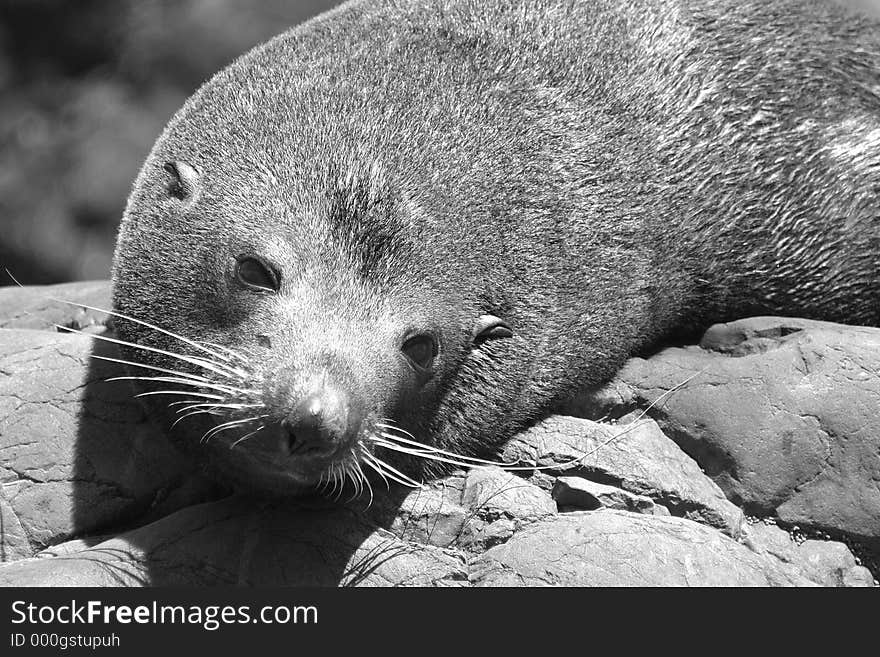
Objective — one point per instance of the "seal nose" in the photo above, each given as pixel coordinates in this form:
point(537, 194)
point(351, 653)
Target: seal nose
point(319, 425)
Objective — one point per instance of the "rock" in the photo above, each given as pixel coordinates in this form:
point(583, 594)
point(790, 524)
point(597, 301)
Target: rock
point(491, 492)
point(499, 504)
point(636, 457)
point(14, 542)
point(240, 542)
point(41, 307)
point(465, 510)
point(828, 563)
point(78, 453)
point(616, 548)
point(578, 493)
point(781, 413)
point(431, 515)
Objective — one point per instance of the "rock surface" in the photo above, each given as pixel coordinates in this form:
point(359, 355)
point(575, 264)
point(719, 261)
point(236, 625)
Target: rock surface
point(828, 563)
point(781, 413)
point(500, 504)
point(577, 493)
point(77, 454)
point(636, 457)
point(93, 494)
point(615, 548)
point(44, 307)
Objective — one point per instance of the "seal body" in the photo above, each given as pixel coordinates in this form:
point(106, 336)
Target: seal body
point(445, 216)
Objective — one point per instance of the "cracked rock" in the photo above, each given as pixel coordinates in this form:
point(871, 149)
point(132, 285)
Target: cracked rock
point(431, 515)
point(492, 492)
point(577, 493)
point(828, 563)
point(499, 504)
point(14, 542)
point(77, 453)
point(636, 457)
point(781, 413)
point(616, 548)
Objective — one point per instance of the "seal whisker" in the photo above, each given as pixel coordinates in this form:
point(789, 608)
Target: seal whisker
point(436, 450)
point(198, 402)
point(365, 479)
point(331, 475)
point(331, 481)
point(232, 353)
point(194, 401)
point(377, 464)
point(184, 382)
point(192, 360)
point(352, 477)
point(369, 461)
point(127, 318)
point(210, 433)
point(360, 474)
point(356, 474)
point(398, 480)
point(247, 435)
point(183, 417)
point(186, 375)
point(387, 423)
point(231, 407)
point(206, 395)
point(392, 471)
point(426, 455)
point(334, 469)
point(343, 477)
point(350, 474)
point(210, 412)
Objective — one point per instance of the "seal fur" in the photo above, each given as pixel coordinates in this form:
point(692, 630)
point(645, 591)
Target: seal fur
point(595, 176)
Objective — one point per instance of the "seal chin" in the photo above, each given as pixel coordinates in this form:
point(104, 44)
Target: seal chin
point(310, 468)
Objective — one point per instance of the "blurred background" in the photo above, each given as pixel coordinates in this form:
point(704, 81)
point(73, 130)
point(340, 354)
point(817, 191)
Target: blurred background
point(85, 88)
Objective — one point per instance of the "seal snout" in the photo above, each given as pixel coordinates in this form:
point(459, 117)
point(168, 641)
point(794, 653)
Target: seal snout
point(321, 425)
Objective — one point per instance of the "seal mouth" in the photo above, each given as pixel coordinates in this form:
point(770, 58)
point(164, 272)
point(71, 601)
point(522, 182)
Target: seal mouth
point(271, 455)
point(313, 466)
point(379, 446)
point(272, 451)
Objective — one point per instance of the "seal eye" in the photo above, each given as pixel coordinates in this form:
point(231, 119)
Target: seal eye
point(489, 327)
point(420, 350)
point(254, 273)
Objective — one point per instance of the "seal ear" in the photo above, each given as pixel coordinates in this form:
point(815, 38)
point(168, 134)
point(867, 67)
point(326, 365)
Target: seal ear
point(489, 327)
point(184, 180)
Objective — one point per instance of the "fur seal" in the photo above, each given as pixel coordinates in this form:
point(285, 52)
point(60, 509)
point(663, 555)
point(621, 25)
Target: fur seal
point(401, 232)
